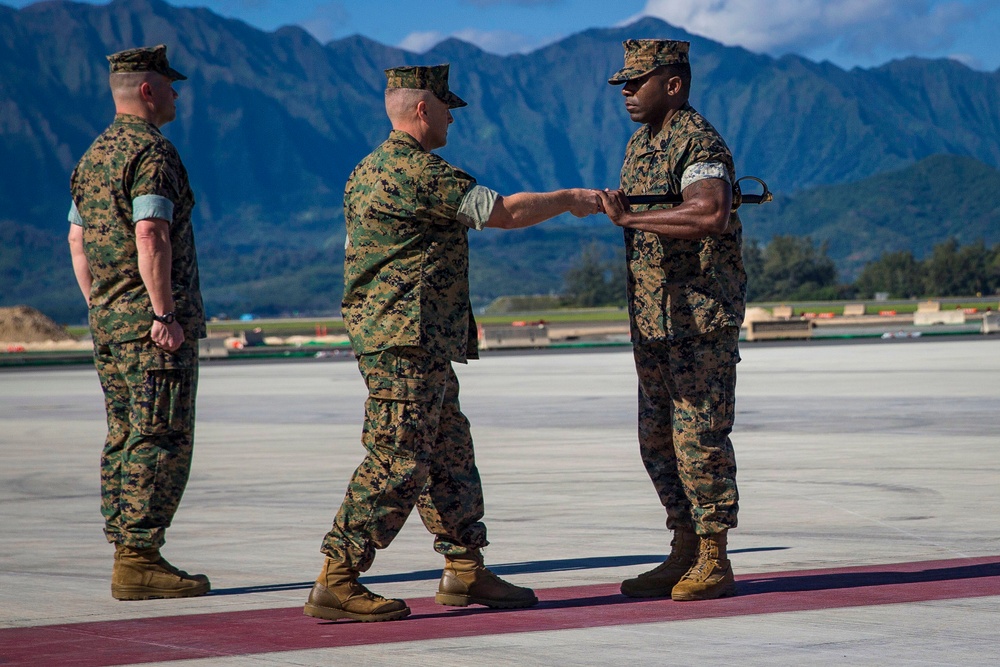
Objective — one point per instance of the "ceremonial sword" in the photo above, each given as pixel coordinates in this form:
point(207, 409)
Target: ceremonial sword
point(738, 197)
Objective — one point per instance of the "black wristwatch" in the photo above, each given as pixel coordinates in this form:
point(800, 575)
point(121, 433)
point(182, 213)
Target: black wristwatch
point(166, 318)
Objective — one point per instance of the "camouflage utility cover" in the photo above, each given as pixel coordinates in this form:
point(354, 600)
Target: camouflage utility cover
point(644, 55)
point(421, 77)
point(144, 59)
point(679, 288)
point(128, 160)
point(406, 273)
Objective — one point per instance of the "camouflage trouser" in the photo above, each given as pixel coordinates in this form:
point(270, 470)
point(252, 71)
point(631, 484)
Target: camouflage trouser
point(149, 395)
point(419, 453)
point(686, 405)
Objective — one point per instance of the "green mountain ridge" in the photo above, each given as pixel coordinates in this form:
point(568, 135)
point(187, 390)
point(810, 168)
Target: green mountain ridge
point(270, 124)
point(938, 198)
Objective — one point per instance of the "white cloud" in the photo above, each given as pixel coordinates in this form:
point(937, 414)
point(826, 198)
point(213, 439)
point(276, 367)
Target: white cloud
point(419, 42)
point(327, 20)
point(493, 41)
point(856, 27)
point(968, 60)
point(497, 41)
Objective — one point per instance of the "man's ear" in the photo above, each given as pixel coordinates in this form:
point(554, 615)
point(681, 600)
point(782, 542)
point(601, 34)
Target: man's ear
point(674, 85)
point(422, 110)
point(146, 91)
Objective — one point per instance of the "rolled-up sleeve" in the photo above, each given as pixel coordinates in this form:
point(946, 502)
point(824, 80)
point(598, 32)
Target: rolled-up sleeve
point(476, 207)
point(74, 215)
point(703, 170)
point(145, 207)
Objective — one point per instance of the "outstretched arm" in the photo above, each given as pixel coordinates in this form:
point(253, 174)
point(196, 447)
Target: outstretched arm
point(525, 209)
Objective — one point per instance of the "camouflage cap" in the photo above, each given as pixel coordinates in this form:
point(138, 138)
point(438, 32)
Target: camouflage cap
point(433, 78)
point(144, 59)
point(644, 55)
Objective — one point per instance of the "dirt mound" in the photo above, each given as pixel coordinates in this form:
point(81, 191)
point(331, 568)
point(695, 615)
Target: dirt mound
point(757, 314)
point(22, 324)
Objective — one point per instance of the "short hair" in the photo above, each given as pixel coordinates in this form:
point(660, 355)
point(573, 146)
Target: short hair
point(683, 70)
point(401, 103)
point(125, 85)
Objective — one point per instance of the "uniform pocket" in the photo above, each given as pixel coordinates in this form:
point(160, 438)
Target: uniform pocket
point(704, 373)
point(722, 401)
point(164, 402)
point(400, 389)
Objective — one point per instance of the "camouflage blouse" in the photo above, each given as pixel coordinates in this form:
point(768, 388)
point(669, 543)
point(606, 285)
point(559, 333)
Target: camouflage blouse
point(679, 288)
point(132, 162)
point(406, 273)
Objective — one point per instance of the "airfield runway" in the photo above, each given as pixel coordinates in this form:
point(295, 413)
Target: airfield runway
point(869, 526)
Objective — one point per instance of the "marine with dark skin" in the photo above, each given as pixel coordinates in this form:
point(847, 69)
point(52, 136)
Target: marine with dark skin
point(653, 99)
point(686, 293)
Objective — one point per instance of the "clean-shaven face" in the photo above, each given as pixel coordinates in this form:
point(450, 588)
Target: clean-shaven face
point(164, 97)
point(438, 118)
point(646, 99)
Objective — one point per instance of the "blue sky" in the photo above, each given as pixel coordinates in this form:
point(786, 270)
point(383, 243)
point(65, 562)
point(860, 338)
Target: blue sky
point(850, 33)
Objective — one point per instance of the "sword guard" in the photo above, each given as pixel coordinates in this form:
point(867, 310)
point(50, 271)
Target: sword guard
point(762, 198)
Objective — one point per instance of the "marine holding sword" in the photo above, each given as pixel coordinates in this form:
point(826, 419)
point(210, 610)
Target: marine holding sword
point(687, 297)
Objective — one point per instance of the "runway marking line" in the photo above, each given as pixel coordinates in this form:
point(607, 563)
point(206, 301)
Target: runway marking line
point(241, 633)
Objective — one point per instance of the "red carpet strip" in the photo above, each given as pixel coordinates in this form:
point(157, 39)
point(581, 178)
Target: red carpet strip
point(241, 633)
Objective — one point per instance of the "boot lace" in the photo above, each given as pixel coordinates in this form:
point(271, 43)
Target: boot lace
point(708, 560)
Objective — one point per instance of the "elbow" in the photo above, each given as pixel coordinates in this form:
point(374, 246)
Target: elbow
point(152, 234)
point(712, 224)
point(718, 225)
point(506, 222)
point(146, 238)
point(710, 218)
point(501, 218)
point(75, 237)
point(716, 219)
point(150, 244)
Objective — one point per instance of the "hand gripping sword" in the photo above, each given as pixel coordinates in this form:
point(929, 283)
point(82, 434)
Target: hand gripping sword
point(738, 197)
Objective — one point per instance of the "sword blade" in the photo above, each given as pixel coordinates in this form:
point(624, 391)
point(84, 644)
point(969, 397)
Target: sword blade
point(677, 199)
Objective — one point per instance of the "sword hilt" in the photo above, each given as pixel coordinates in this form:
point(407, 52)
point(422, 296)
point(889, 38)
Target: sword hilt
point(738, 197)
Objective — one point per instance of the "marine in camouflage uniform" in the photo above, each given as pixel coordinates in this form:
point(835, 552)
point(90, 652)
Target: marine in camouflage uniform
point(132, 177)
point(686, 294)
point(407, 311)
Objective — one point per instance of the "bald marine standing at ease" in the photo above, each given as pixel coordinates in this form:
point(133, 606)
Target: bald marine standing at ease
point(133, 253)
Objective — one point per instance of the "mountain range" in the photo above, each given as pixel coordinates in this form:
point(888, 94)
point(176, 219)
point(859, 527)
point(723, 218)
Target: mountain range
point(270, 124)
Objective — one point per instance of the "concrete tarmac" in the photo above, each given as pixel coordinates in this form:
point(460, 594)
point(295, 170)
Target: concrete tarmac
point(869, 526)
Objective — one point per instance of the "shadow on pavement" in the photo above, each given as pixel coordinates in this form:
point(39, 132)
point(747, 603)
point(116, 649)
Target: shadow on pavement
point(873, 577)
point(533, 567)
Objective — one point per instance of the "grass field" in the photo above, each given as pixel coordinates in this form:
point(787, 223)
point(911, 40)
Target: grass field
point(303, 326)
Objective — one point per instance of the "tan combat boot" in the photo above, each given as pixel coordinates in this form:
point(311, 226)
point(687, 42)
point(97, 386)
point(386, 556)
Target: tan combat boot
point(660, 581)
point(337, 594)
point(466, 581)
point(712, 574)
point(143, 574)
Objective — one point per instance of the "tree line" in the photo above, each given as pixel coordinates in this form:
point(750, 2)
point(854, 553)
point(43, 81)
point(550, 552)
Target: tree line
point(793, 268)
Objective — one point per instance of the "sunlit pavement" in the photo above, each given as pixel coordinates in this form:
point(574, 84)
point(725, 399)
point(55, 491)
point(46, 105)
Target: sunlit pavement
point(869, 531)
